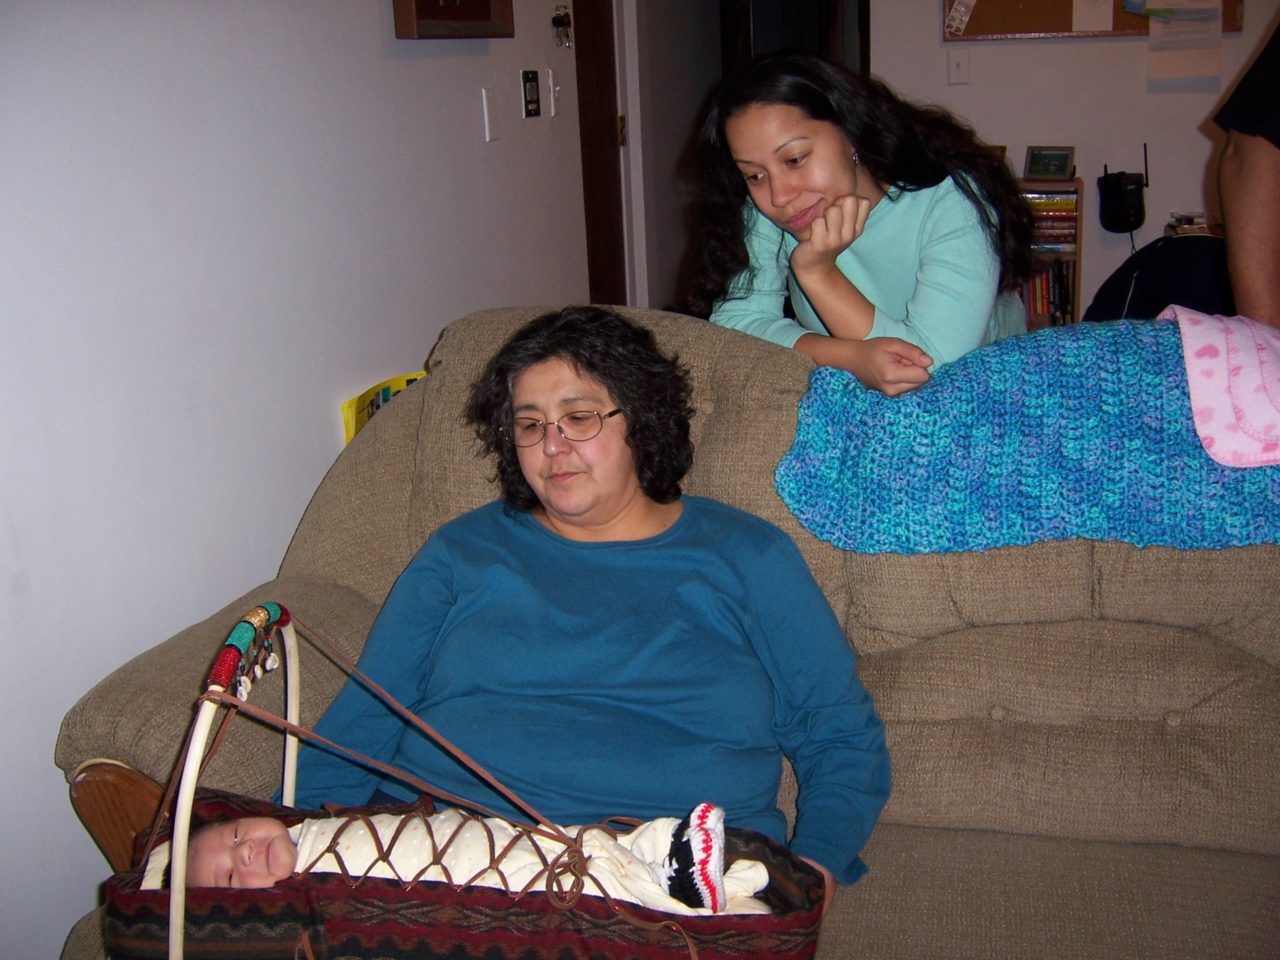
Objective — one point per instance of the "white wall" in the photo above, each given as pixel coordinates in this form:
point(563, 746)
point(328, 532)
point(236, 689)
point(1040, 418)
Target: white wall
point(1091, 93)
point(220, 219)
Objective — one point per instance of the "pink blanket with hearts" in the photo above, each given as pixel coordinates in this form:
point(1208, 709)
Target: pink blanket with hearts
point(1233, 375)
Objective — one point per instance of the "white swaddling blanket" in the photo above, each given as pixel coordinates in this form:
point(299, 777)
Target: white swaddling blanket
point(628, 867)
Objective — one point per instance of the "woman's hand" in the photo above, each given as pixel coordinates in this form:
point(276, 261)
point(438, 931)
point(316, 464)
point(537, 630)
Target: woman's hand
point(841, 305)
point(887, 364)
point(828, 883)
point(890, 365)
point(829, 235)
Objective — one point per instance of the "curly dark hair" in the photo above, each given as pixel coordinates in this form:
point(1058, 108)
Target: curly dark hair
point(652, 390)
point(903, 145)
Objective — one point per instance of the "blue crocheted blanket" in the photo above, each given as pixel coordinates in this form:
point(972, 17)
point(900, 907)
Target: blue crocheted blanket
point(1079, 431)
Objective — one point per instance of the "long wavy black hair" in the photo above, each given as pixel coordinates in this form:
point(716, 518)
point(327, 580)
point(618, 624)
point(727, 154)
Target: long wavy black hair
point(652, 390)
point(903, 145)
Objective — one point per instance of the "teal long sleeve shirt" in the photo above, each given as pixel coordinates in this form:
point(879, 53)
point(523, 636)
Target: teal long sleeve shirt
point(923, 260)
point(629, 678)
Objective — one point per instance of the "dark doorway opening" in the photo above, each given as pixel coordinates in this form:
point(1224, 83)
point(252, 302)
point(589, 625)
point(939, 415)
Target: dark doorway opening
point(837, 29)
point(600, 131)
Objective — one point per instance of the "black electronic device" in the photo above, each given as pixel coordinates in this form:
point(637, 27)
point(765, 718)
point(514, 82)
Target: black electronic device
point(1121, 206)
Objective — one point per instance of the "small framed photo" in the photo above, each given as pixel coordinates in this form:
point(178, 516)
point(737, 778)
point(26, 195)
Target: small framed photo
point(1050, 163)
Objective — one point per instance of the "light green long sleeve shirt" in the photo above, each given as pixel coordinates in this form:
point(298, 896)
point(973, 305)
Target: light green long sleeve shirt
point(924, 261)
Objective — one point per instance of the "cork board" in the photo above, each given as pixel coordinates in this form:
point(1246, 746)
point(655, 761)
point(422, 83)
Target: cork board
point(1032, 19)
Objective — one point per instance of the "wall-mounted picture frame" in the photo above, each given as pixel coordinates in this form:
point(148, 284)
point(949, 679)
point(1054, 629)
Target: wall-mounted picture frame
point(452, 19)
point(1050, 163)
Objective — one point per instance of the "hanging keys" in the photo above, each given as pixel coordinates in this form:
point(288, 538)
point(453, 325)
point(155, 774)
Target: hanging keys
point(561, 23)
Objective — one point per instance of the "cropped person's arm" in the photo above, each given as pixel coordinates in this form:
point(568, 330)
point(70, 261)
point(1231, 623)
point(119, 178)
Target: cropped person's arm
point(1249, 184)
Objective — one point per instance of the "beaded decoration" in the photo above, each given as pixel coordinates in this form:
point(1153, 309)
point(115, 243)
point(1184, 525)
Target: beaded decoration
point(249, 650)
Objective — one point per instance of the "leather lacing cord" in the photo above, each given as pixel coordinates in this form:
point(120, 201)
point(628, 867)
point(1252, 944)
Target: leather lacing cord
point(303, 950)
point(565, 874)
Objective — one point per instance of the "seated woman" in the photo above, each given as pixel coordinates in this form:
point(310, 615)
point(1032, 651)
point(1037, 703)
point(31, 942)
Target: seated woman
point(672, 865)
point(601, 644)
point(900, 238)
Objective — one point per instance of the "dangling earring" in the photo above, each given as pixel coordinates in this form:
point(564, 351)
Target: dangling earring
point(855, 158)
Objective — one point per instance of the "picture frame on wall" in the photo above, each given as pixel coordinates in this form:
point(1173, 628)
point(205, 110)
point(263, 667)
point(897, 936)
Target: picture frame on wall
point(1050, 163)
point(452, 19)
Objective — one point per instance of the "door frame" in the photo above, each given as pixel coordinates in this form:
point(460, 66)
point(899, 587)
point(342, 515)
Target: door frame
point(595, 40)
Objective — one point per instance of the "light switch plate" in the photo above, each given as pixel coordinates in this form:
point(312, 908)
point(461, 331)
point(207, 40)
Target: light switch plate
point(532, 97)
point(553, 92)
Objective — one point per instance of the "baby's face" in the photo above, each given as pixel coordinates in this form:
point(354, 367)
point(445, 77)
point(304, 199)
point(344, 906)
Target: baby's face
point(251, 853)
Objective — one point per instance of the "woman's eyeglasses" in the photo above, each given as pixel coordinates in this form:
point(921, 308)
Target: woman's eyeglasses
point(577, 425)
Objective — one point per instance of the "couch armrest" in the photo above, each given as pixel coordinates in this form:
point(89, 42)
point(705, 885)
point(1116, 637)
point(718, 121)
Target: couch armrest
point(140, 713)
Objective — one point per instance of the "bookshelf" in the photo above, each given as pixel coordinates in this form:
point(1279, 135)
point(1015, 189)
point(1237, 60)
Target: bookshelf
point(1052, 294)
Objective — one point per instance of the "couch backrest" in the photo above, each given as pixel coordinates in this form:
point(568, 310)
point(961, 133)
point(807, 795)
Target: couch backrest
point(745, 394)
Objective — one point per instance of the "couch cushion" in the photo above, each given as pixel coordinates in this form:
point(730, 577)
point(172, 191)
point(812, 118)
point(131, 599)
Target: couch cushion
point(1229, 595)
point(945, 894)
point(1089, 729)
point(895, 600)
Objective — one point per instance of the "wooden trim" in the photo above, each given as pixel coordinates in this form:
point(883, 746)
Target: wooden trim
point(115, 803)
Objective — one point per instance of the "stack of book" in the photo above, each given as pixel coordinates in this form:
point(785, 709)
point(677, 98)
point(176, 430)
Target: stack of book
point(1050, 293)
point(1055, 220)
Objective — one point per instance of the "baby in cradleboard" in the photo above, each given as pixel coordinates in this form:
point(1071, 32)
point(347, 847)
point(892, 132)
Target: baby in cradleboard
point(672, 865)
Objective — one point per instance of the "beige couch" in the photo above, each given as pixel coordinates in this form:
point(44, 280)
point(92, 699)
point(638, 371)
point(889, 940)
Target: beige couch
point(1085, 736)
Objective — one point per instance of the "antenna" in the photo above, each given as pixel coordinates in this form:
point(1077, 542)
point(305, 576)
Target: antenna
point(1146, 181)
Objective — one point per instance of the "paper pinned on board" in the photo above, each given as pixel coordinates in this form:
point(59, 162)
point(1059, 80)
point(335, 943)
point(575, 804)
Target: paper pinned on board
point(958, 17)
point(1185, 39)
point(1091, 16)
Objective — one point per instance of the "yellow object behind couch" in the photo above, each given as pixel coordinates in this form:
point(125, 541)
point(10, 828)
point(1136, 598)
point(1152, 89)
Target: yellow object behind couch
point(357, 411)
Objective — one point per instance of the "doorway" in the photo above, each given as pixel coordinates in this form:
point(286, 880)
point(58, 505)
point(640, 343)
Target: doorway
point(670, 53)
point(839, 30)
point(601, 134)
